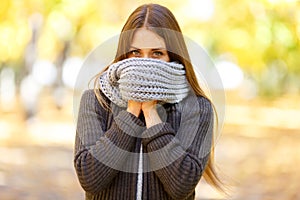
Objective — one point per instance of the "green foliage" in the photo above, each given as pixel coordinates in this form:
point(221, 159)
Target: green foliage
point(256, 33)
point(263, 36)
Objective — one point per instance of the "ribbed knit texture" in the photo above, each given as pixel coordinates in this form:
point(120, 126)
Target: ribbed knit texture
point(144, 79)
point(99, 131)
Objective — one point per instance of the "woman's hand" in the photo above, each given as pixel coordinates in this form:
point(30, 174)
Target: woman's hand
point(150, 113)
point(149, 110)
point(148, 106)
point(134, 107)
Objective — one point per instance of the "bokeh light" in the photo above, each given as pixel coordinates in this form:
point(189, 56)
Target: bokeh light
point(231, 74)
point(254, 45)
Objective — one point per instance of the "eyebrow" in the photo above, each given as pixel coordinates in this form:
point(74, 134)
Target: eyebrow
point(157, 48)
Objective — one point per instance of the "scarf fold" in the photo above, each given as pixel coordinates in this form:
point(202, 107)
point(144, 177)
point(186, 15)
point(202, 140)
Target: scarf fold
point(144, 79)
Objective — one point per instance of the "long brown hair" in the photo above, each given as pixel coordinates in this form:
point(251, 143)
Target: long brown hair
point(160, 20)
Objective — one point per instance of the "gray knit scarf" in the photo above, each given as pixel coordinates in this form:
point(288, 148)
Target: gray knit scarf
point(144, 79)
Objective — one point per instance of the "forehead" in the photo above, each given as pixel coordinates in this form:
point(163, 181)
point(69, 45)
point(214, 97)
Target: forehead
point(144, 38)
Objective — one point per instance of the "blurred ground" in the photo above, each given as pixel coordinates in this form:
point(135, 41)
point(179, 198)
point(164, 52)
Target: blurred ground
point(258, 149)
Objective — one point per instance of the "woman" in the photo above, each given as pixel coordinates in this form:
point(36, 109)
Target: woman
point(146, 130)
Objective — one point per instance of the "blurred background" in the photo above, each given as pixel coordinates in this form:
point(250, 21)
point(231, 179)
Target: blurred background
point(254, 45)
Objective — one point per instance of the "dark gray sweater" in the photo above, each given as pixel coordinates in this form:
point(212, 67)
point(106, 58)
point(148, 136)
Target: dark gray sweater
point(175, 151)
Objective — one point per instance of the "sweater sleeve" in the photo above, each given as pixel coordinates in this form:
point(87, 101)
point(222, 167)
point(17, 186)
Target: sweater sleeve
point(179, 159)
point(99, 153)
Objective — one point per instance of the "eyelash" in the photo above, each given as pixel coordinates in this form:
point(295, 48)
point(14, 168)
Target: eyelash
point(134, 52)
point(158, 52)
point(154, 53)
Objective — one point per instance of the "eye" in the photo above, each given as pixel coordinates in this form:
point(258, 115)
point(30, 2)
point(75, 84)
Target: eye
point(157, 54)
point(135, 53)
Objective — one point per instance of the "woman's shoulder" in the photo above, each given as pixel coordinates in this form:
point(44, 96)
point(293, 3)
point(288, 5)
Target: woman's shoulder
point(95, 97)
point(88, 95)
point(88, 92)
point(197, 102)
point(204, 100)
point(200, 99)
point(92, 94)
